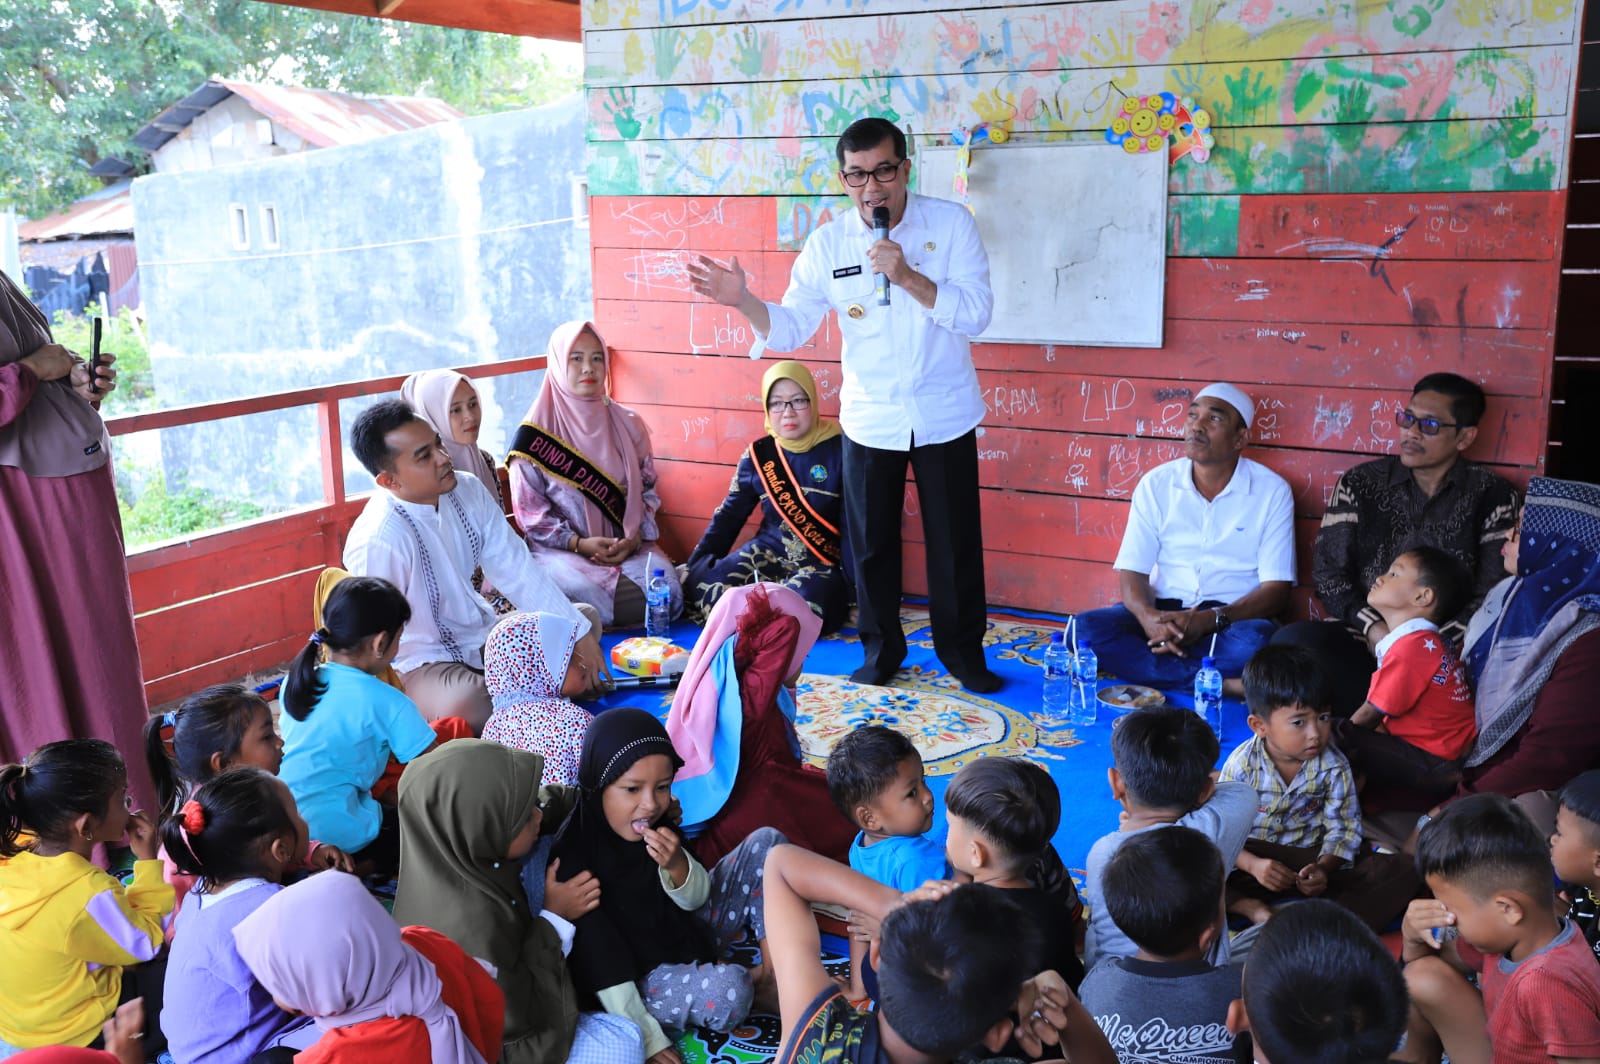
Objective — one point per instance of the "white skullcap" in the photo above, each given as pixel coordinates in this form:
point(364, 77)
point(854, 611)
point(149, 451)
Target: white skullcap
point(1234, 397)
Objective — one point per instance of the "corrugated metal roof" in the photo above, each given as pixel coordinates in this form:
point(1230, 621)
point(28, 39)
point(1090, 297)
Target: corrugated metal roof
point(108, 211)
point(321, 117)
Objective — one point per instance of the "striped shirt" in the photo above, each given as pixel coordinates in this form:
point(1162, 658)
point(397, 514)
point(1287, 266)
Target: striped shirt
point(1318, 808)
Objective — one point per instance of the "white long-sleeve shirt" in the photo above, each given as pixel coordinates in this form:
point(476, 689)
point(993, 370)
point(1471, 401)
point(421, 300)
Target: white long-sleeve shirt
point(430, 553)
point(907, 368)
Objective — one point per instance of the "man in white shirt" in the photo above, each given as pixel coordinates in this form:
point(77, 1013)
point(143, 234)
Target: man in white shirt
point(910, 393)
point(426, 530)
point(1209, 549)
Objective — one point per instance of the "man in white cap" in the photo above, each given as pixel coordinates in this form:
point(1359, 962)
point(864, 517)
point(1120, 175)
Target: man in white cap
point(1209, 548)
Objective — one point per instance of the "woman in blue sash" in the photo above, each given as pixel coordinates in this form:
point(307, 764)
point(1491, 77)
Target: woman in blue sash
point(583, 484)
point(795, 474)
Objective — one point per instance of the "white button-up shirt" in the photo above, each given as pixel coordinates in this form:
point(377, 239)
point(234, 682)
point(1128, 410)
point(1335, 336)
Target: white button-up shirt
point(1199, 551)
point(430, 553)
point(907, 368)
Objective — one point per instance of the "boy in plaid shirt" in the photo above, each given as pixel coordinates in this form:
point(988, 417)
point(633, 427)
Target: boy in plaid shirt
point(1307, 836)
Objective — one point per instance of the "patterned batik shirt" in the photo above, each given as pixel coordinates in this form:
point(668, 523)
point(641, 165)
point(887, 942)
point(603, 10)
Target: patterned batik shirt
point(1377, 512)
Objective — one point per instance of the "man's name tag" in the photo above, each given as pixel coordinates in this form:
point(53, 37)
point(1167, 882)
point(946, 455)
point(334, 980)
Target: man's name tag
point(847, 271)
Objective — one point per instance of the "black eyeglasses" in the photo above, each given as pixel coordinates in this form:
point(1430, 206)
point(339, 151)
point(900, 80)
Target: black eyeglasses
point(884, 173)
point(797, 404)
point(1428, 426)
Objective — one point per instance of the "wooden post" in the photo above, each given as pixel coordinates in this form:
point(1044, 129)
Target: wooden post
point(332, 443)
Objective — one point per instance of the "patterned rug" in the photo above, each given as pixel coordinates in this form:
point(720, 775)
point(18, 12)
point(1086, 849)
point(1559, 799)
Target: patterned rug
point(950, 727)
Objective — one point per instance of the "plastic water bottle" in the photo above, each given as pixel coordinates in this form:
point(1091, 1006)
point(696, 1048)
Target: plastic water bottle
point(1058, 680)
point(658, 605)
point(1208, 694)
point(1086, 687)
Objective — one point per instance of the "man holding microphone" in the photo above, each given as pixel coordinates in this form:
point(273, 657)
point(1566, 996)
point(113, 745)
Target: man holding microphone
point(910, 286)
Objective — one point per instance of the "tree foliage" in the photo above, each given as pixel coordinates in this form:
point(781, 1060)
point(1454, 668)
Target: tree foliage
point(79, 77)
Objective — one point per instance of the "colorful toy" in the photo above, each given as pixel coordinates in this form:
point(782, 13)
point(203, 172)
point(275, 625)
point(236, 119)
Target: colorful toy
point(649, 655)
point(964, 138)
point(1145, 123)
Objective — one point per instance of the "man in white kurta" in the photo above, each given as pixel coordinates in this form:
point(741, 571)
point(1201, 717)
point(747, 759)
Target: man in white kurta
point(1207, 559)
point(910, 393)
point(426, 530)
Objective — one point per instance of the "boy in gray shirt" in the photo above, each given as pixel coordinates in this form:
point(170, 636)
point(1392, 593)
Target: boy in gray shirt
point(1166, 1004)
point(1162, 776)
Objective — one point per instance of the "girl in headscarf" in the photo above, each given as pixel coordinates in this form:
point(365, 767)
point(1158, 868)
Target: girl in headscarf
point(1533, 648)
point(795, 473)
point(470, 815)
point(583, 484)
point(733, 719)
point(530, 667)
point(649, 951)
point(447, 400)
point(325, 948)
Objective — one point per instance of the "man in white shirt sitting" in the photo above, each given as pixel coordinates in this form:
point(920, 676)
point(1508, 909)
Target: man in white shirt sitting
point(1209, 549)
point(426, 530)
point(910, 393)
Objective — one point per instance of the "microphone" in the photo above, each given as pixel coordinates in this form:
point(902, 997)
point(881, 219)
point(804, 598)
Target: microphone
point(880, 230)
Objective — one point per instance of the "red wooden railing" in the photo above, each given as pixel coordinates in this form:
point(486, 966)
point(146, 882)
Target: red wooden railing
point(223, 604)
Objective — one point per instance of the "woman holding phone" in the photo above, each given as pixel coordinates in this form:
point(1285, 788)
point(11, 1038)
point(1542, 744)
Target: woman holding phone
point(67, 649)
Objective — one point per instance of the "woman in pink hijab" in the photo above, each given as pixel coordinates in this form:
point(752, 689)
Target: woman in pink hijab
point(583, 484)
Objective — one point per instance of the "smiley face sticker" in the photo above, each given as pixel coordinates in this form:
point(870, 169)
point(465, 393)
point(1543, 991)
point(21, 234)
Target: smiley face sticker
point(1160, 122)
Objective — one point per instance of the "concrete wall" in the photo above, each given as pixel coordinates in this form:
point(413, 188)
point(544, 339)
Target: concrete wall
point(442, 246)
point(1385, 198)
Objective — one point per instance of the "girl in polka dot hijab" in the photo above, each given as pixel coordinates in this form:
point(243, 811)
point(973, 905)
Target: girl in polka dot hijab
point(530, 666)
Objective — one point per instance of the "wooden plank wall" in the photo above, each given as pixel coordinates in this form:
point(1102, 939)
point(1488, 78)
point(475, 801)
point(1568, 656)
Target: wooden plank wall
point(1386, 198)
point(220, 606)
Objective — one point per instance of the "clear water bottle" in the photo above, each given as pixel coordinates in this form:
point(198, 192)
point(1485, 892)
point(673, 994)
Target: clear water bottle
point(1058, 680)
point(1208, 694)
point(658, 605)
point(1086, 686)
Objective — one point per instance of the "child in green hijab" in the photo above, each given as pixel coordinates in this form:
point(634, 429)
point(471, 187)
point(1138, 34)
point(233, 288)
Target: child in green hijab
point(470, 815)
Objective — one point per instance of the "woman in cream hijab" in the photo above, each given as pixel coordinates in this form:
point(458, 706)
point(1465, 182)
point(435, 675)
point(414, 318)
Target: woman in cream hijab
point(448, 401)
point(795, 474)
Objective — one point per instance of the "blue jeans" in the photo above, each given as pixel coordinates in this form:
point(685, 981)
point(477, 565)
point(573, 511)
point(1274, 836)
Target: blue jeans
point(1123, 649)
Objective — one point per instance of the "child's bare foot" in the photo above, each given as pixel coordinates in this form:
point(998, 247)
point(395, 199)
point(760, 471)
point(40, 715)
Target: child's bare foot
point(1252, 909)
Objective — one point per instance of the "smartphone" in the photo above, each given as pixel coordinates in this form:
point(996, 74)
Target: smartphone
point(94, 357)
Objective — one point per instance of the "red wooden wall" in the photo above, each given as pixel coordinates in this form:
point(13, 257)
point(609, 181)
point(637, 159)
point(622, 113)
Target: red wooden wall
point(1328, 347)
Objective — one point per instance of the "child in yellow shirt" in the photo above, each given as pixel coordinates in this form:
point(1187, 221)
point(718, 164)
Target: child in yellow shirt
point(67, 928)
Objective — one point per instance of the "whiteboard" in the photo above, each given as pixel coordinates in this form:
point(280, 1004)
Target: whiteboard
point(1076, 235)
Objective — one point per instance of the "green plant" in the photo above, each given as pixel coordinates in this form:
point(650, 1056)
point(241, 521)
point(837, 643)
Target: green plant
point(161, 512)
point(124, 337)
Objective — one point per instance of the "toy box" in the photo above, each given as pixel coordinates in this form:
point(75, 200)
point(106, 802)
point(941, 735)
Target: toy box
point(648, 655)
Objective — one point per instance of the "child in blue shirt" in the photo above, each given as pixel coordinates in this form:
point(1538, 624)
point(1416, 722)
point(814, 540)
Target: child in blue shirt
point(875, 777)
point(341, 723)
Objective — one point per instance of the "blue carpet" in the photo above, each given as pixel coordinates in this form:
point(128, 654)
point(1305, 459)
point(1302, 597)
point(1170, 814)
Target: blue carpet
point(951, 726)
